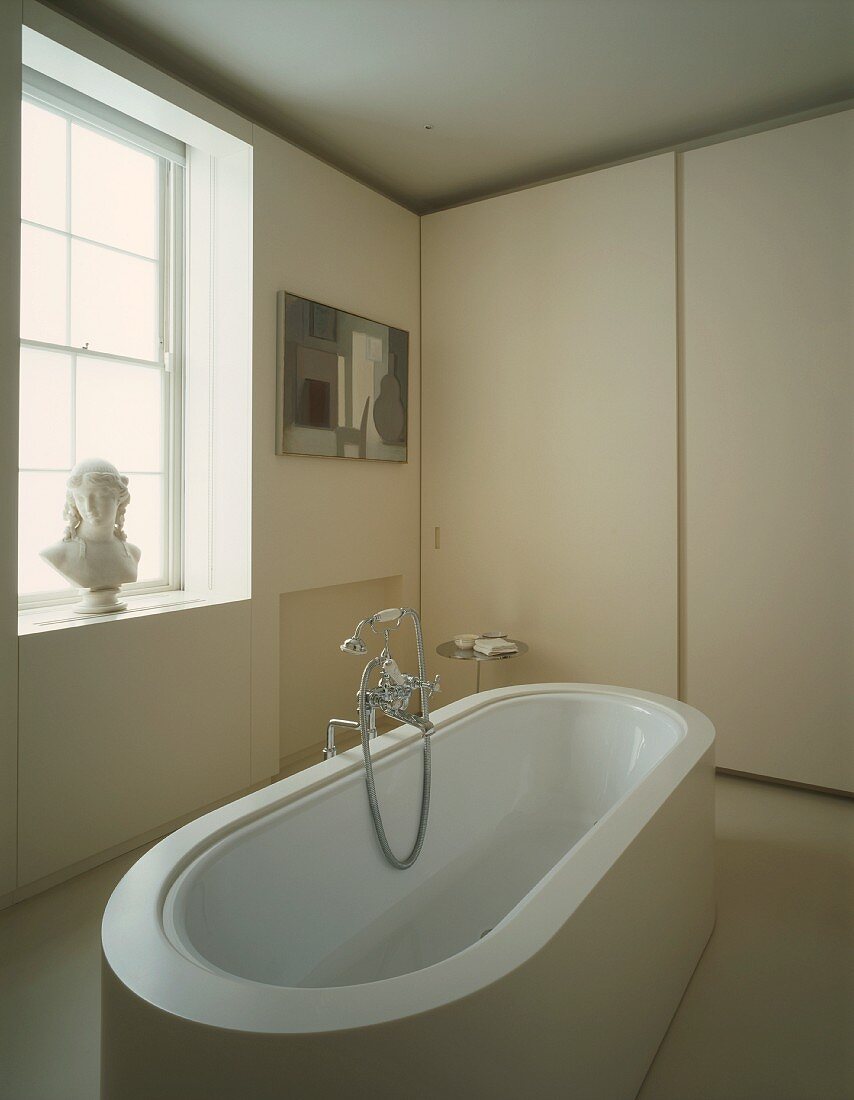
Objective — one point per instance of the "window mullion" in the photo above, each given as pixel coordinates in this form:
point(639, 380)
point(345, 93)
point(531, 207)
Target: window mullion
point(165, 380)
point(92, 353)
point(176, 375)
point(163, 263)
point(68, 230)
point(73, 456)
point(91, 240)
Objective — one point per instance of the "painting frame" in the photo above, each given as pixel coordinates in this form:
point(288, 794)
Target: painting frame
point(342, 383)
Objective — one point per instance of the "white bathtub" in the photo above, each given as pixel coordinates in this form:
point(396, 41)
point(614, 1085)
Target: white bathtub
point(538, 948)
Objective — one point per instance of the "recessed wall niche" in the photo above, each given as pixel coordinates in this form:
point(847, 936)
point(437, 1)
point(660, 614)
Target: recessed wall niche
point(316, 680)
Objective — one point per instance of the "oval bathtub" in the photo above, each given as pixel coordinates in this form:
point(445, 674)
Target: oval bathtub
point(538, 947)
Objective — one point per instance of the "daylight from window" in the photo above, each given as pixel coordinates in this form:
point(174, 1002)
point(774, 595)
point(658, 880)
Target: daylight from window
point(95, 377)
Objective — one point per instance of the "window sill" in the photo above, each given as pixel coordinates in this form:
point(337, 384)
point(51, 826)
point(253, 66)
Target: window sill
point(43, 619)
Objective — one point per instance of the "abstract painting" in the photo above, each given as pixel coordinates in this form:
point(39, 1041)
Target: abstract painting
point(342, 383)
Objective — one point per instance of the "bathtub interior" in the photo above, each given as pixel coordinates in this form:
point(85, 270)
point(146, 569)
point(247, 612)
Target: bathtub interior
point(303, 897)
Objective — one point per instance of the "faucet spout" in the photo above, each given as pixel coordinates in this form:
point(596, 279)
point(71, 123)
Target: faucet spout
point(333, 724)
point(417, 720)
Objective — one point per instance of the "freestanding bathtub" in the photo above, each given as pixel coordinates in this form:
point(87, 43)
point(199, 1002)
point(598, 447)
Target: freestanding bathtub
point(537, 949)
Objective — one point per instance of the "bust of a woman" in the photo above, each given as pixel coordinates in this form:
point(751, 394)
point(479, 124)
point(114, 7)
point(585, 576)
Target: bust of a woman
point(94, 553)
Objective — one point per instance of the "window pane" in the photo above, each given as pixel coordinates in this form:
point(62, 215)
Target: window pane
point(43, 164)
point(119, 414)
point(45, 409)
point(113, 192)
point(113, 301)
point(40, 524)
point(144, 523)
point(44, 310)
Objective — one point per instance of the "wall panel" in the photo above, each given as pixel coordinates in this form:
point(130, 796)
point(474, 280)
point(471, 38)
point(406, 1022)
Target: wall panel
point(768, 247)
point(549, 446)
point(126, 725)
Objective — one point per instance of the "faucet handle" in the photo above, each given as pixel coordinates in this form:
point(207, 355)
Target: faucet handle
point(428, 685)
point(392, 670)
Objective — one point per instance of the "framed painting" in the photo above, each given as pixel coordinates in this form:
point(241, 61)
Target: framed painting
point(342, 383)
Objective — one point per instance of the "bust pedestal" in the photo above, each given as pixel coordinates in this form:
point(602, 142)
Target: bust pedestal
point(99, 601)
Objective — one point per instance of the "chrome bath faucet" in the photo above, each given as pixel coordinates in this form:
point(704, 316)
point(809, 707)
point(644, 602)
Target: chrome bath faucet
point(394, 689)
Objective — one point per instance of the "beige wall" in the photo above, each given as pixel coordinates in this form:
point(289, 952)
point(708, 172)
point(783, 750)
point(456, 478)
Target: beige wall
point(550, 428)
point(768, 248)
point(321, 521)
point(550, 466)
point(10, 213)
point(120, 727)
point(112, 743)
point(126, 725)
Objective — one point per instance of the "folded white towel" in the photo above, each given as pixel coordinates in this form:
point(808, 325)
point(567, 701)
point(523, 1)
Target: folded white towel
point(495, 647)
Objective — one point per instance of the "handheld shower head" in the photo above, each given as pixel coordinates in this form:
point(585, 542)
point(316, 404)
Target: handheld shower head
point(355, 644)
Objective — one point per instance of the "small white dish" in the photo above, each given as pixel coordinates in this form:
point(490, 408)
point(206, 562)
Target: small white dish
point(494, 634)
point(465, 641)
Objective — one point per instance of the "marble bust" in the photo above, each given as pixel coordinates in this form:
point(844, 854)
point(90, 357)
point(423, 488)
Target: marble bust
point(94, 553)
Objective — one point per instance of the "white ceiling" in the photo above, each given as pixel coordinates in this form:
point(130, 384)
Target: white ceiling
point(515, 90)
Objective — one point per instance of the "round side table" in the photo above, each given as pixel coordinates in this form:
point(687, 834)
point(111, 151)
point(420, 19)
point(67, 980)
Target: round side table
point(450, 650)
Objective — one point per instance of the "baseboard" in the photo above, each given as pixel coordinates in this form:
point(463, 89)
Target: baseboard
point(83, 865)
point(786, 783)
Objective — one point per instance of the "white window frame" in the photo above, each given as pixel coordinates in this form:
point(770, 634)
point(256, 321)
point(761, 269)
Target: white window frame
point(170, 260)
point(217, 338)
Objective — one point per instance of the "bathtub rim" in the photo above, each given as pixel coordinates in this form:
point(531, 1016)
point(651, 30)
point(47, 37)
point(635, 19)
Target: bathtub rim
point(172, 916)
point(137, 949)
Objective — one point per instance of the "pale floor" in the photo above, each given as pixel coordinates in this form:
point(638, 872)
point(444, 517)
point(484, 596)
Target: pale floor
point(769, 1013)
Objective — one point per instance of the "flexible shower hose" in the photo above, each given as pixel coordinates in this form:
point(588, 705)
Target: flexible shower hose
point(373, 802)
